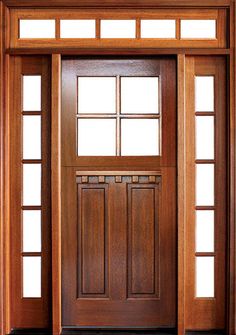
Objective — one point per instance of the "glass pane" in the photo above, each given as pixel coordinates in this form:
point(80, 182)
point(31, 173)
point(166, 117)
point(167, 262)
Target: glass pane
point(205, 137)
point(32, 277)
point(205, 184)
point(31, 184)
point(158, 28)
point(96, 95)
point(139, 95)
point(204, 277)
point(37, 29)
point(204, 231)
point(32, 93)
point(204, 94)
point(198, 29)
point(139, 137)
point(32, 137)
point(96, 137)
point(118, 28)
point(31, 231)
point(77, 28)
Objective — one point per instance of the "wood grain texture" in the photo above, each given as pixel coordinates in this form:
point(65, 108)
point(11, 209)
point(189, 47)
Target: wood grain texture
point(56, 191)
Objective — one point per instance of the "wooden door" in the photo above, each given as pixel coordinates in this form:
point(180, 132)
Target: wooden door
point(119, 192)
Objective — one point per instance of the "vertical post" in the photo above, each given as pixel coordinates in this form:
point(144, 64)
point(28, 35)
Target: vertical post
point(56, 193)
point(181, 192)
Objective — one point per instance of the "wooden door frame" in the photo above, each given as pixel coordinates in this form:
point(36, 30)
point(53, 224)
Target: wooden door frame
point(5, 53)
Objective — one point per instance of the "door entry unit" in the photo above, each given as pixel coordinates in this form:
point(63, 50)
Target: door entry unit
point(117, 167)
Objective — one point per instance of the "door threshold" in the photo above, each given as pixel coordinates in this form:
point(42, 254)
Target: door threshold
point(117, 331)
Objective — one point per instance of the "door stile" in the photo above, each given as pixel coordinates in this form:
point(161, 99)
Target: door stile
point(181, 192)
point(56, 192)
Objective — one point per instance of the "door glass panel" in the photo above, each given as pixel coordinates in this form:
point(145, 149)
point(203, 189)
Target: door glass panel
point(31, 93)
point(31, 231)
point(37, 29)
point(96, 95)
point(31, 277)
point(204, 231)
point(204, 94)
point(204, 137)
point(96, 137)
point(198, 29)
point(32, 137)
point(118, 28)
point(139, 95)
point(204, 277)
point(31, 184)
point(139, 137)
point(205, 184)
point(158, 29)
point(77, 28)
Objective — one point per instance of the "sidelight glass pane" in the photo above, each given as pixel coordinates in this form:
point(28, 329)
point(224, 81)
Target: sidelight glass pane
point(204, 231)
point(204, 277)
point(158, 29)
point(139, 137)
point(139, 95)
point(32, 93)
point(31, 231)
point(198, 29)
point(118, 28)
point(96, 137)
point(77, 28)
point(204, 94)
point(31, 184)
point(96, 95)
point(37, 29)
point(32, 277)
point(32, 137)
point(204, 137)
point(204, 184)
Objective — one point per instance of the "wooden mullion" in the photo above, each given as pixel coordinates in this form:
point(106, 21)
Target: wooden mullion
point(118, 112)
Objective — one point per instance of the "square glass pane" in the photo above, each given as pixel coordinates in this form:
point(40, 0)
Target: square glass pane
point(31, 231)
point(32, 137)
point(204, 94)
point(205, 277)
point(37, 29)
point(139, 137)
point(118, 28)
point(32, 277)
point(204, 184)
point(31, 184)
point(96, 95)
point(96, 137)
point(198, 29)
point(204, 231)
point(204, 137)
point(158, 29)
point(32, 93)
point(139, 95)
point(77, 28)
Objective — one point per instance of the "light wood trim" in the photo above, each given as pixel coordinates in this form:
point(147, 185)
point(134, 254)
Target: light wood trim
point(118, 173)
point(56, 193)
point(181, 193)
point(117, 3)
point(4, 176)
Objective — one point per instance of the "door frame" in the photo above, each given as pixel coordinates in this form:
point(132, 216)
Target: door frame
point(181, 53)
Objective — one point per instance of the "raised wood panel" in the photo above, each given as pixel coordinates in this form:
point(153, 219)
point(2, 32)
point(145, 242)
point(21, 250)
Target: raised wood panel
point(92, 248)
point(143, 248)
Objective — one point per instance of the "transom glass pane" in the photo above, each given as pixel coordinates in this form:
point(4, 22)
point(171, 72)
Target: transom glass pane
point(96, 95)
point(139, 137)
point(37, 29)
point(77, 28)
point(204, 94)
point(139, 95)
point(118, 28)
point(198, 29)
point(205, 277)
point(32, 93)
point(157, 28)
point(96, 137)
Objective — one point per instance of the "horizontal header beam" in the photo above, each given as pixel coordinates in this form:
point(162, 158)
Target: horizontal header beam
point(117, 3)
